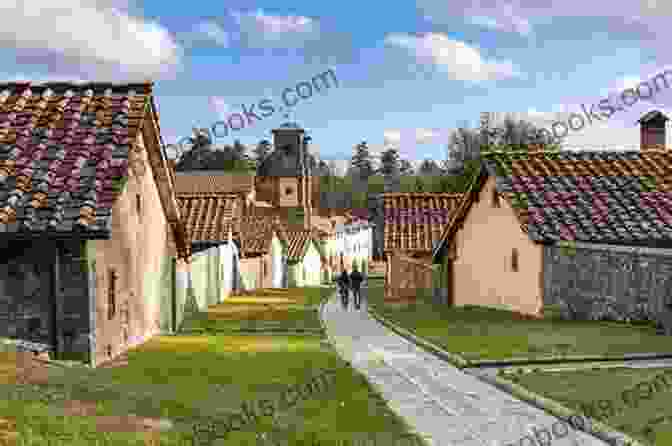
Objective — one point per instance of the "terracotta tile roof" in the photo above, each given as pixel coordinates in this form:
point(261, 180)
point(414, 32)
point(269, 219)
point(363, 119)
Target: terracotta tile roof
point(619, 197)
point(604, 196)
point(297, 244)
point(256, 233)
point(414, 222)
point(213, 184)
point(208, 217)
point(62, 148)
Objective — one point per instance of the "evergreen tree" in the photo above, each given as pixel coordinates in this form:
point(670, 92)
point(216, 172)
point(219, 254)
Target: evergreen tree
point(405, 168)
point(262, 150)
point(390, 165)
point(195, 157)
point(514, 135)
point(429, 168)
point(362, 162)
point(240, 151)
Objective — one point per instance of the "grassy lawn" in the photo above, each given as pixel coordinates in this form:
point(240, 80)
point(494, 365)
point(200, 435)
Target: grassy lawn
point(478, 333)
point(612, 396)
point(200, 380)
point(292, 309)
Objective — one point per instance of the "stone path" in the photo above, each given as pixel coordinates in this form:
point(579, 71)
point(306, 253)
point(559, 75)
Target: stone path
point(441, 403)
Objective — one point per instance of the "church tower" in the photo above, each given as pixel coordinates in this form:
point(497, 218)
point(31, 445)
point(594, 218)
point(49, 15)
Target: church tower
point(290, 172)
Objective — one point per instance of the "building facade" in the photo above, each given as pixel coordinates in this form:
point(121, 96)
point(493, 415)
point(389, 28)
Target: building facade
point(97, 235)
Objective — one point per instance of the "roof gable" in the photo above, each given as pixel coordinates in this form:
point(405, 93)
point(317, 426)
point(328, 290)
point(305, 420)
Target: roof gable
point(298, 244)
point(208, 217)
point(204, 183)
point(619, 197)
point(414, 221)
point(64, 151)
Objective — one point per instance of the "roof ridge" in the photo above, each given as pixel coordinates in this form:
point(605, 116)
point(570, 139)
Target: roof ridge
point(145, 87)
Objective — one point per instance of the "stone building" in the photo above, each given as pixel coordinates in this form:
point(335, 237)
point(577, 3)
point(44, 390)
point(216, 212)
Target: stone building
point(90, 230)
point(590, 231)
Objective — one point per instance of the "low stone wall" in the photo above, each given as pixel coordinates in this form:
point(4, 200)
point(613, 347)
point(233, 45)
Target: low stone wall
point(591, 281)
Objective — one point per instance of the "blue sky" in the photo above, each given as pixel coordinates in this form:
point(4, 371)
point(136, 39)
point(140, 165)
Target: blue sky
point(408, 72)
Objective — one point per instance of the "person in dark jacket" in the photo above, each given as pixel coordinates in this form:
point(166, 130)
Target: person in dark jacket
point(356, 279)
point(344, 285)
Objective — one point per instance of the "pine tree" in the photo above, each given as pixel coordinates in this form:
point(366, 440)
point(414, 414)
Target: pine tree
point(240, 150)
point(262, 150)
point(405, 168)
point(390, 165)
point(362, 162)
point(429, 168)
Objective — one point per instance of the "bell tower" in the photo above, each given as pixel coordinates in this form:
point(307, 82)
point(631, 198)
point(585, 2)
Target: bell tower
point(291, 187)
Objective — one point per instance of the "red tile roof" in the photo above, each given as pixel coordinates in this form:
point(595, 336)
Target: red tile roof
point(62, 149)
point(256, 233)
point(622, 197)
point(213, 184)
point(297, 244)
point(208, 217)
point(415, 221)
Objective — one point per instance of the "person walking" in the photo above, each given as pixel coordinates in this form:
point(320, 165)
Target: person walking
point(356, 279)
point(344, 285)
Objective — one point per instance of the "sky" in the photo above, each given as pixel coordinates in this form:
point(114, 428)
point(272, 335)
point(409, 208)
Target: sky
point(406, 73)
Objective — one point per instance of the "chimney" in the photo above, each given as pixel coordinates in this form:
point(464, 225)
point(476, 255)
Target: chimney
point(652, 131)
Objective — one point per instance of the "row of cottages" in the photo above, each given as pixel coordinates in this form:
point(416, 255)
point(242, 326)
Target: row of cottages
point(353, 243)
point(92, 236)
point(414, 223)
point(581, 229)
point(270, 222)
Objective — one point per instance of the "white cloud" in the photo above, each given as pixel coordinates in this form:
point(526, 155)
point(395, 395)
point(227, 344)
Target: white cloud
point(650, 17)
point(211, 31)
point(424, 136)
point(283, 24)
point(39, 78)
point(505, 20)
point(261, 29)
point(391, 137)
point(91, 33)
point(459, 60)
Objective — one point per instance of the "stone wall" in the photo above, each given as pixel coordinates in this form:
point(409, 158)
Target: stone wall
point(26, 294)
point(25, 283)
point(608, 282)
point(73, 317)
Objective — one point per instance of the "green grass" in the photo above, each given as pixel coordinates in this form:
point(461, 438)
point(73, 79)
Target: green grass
point(478, 333)
point(650, 421)
point(196, 378)
point(288, 310)
point(205, 379)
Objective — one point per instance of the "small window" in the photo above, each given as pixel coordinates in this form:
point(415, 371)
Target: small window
point(495, 198)
point(514, 259)
point(111, 294)
point(138, 204)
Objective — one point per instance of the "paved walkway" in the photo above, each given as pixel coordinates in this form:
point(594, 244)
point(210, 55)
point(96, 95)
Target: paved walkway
point(441, 403)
